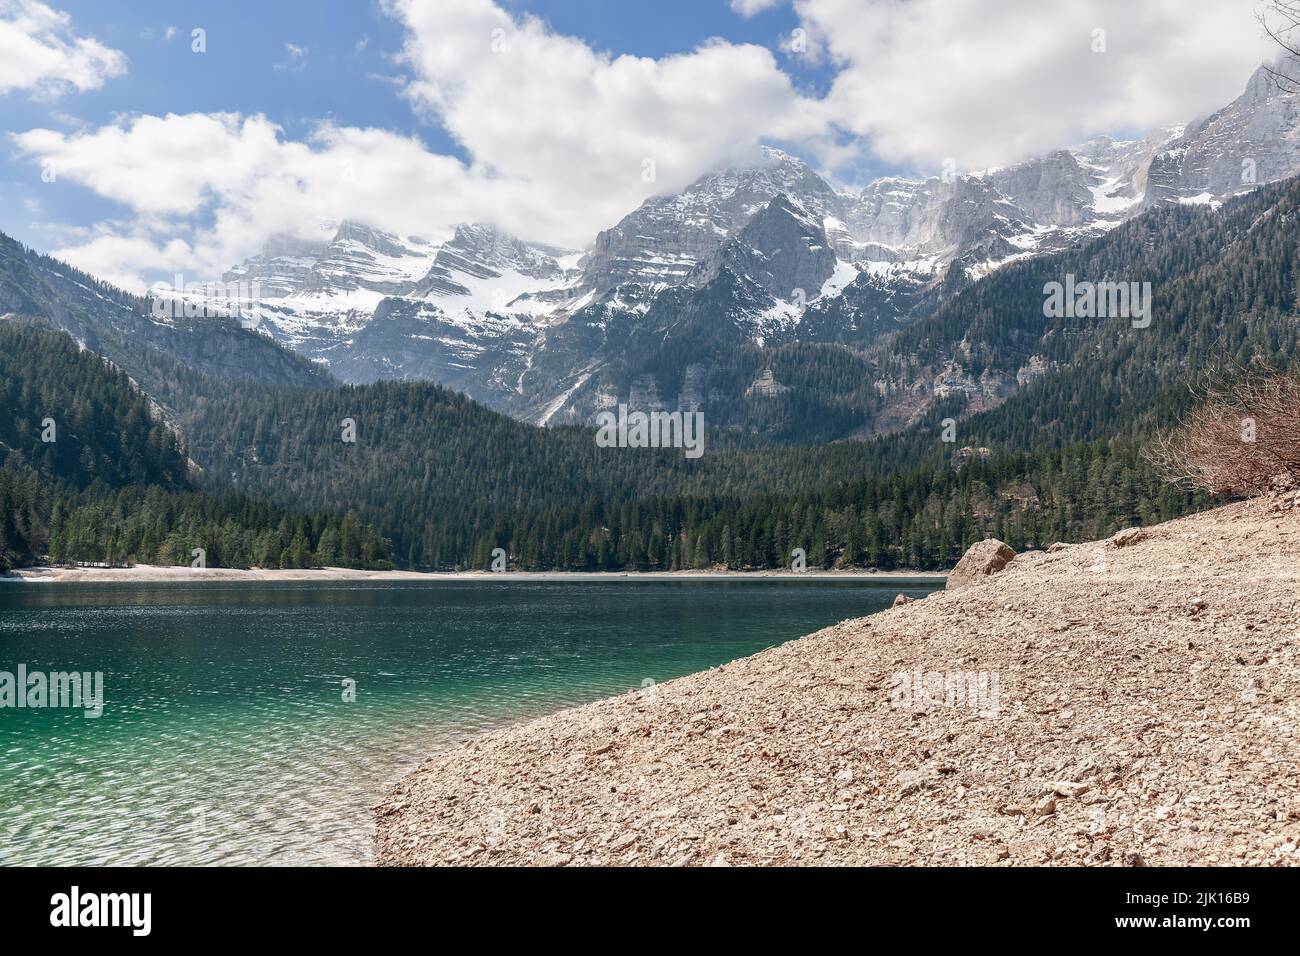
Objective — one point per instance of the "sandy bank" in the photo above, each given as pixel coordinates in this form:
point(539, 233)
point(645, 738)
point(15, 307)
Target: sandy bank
point(1147, 711)
point(152, 574)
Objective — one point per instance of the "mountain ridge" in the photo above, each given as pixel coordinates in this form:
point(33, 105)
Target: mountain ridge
point(523, 327)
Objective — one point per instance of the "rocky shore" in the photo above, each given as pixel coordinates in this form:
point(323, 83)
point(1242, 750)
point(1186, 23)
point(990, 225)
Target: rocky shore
point(1134, 701)
point(154, 574)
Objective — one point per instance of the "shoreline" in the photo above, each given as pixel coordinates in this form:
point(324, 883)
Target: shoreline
point(154, 574)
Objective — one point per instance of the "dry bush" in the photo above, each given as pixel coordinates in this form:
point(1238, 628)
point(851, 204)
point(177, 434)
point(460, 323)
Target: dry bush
point(1242, 439)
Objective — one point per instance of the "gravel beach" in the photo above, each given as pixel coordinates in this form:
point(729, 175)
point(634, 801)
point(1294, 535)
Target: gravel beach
point(1134, 701)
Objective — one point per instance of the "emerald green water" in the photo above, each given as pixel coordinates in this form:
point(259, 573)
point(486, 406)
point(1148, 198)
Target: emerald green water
point(225, 737)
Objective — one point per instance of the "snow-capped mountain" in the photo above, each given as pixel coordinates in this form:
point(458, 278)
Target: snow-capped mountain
point(321, 298)
point(782, 249)
point(666, 237)
point(752, 258)
point(479, 268)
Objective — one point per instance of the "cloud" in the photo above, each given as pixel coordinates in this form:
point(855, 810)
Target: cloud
point(297, 60)
point(530, 105)
point(988, 82)
point(748, 8)
point(41, 53)
point(201, 191)
point(558, 138)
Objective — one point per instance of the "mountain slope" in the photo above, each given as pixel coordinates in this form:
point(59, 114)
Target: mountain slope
point(123, 328)
point(1223, 285)
point(1050, 415)
point(78, 420)
point(1255, 139)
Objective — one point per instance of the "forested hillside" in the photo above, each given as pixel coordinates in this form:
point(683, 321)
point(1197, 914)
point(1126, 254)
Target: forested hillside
point(89, 473)
point(1224, 290)
point(118, 325)
point(448, 481)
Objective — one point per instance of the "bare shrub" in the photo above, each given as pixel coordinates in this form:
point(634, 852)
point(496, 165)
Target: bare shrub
point(1243, 438)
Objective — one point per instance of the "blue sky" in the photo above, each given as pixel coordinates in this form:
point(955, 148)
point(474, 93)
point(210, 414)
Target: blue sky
point(162, 158)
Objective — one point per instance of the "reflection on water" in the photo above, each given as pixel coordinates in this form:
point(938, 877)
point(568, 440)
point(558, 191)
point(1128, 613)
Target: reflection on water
point(226, 738)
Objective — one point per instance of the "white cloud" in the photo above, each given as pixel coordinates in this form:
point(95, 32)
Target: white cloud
point(994, 81)
point(530, 105)
point(297, 60)
point(748, 8)
point(41, 53)
point(203, 190)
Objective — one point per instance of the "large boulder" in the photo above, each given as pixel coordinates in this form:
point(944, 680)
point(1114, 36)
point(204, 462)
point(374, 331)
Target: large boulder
point(1122, 539)
point(983, 559)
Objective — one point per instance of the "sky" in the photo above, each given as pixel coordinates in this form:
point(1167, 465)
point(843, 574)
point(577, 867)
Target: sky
point(146, 138)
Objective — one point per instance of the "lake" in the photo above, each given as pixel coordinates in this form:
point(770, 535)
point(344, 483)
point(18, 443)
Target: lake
point(258, 723)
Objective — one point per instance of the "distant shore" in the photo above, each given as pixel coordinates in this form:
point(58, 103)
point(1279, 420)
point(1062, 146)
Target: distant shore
point(154, 574)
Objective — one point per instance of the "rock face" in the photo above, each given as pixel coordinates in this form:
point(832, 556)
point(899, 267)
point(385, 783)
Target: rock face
point(783, 249)
point(666, 237)
point(485, 253)
point(982, 559)
point(1053, 189)
point(1250, 141)
point(1109, 725)
point(366, 259)
point(282, 267)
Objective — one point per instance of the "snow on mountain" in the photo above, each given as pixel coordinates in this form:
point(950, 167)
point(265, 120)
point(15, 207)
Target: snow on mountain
point(783, 249)
point(483, 269)
point(362, 258)
point(281, 268)
point(317, 297)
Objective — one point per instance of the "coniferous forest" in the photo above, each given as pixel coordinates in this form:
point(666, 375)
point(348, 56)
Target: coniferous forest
point(90, 473)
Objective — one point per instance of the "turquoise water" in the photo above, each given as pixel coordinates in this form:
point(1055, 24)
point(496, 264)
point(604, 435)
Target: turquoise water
point(225, 736)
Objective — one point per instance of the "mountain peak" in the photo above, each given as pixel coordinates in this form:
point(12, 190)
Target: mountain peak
point(783, 248)
point(386, 243)
point(664, 240)
point(1276, 78)
point(482, 251)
